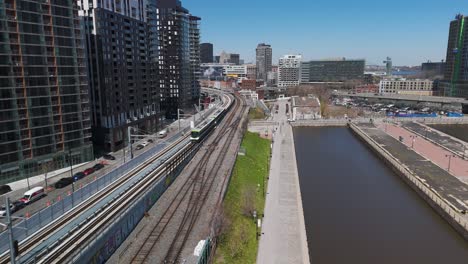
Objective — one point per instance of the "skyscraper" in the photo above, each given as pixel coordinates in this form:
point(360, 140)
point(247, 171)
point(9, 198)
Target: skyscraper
point(44, 102)
point(177, 30)
point(289, 70)
point(456, 69)
point(122, 58)
point(264, 61)
point(206, 53)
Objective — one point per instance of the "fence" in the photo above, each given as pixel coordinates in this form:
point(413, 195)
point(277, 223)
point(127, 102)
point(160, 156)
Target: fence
point(447, 208)
point(58, 208)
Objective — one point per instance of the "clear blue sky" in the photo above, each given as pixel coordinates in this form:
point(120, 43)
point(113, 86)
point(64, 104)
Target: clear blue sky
point(409, 31)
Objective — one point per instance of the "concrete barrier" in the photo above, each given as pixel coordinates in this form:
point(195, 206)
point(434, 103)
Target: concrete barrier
point(438, 203)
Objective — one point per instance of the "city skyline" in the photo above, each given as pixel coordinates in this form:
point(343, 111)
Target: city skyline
point(398, 31)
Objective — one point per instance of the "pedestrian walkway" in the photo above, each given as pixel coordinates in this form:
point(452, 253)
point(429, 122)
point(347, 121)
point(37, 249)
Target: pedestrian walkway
point(438, 155)
point(283, 238)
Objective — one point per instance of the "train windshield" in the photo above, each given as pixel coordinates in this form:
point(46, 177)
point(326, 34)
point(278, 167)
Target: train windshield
point(195, 134)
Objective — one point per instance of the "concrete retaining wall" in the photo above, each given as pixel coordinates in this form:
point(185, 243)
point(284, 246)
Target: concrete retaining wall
point(442, 207)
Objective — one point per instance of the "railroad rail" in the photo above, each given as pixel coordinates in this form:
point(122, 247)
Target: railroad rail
point(48, 254)
point(194, 192)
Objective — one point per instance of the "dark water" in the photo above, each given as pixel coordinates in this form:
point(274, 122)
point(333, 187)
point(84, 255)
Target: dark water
point(458, 131)
point(358, 211)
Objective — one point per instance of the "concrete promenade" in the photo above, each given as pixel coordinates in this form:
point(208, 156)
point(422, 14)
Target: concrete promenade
point(283, 238)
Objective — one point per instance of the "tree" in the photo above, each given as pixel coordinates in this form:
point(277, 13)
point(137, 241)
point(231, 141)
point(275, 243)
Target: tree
point(248, 201)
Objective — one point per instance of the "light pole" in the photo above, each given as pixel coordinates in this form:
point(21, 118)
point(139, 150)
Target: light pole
point(130, 141)
point(8, 225)
point(464, 150)
point(450, 156)
point(71, 175)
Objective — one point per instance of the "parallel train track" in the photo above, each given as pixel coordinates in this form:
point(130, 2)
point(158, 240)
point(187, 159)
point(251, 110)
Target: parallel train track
point(37, 238)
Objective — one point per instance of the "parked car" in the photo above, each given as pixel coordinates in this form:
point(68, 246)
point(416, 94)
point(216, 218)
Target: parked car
point(5, 189)
point(78, 176)
point(139, 146)
point(64, 182)
point(150, 140)
point(14, 207)
point(33, 195)
point(109, 157)
point(98, 166)
point(162, 134)
point(88, 171)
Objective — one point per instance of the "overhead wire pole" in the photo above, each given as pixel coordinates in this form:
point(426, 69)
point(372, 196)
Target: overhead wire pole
point(10, 231)
point(130, 141)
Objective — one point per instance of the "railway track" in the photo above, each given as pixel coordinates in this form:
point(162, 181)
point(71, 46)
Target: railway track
point(192, 195)
point(37, 238)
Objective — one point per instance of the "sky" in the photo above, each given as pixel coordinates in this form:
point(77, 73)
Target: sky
point(408, 31)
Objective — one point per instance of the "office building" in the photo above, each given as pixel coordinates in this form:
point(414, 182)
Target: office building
point(406, 86)
point(251, 71)
point(235, 71)
point(264, 55)
point(234, 59)
point(176, 29)
point(216, 59)
point(433, 68)
point(195, 70)
point(206, 53)
point(44, 103)
point(455, 83)
point(339, 70)
point(289, 70)
point(122, 70)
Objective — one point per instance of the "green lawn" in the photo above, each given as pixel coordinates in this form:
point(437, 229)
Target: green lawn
point(256, 113)
point(238, 243)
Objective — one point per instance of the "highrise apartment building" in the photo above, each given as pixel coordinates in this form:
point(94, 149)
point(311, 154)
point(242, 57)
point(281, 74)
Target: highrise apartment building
point(335, 70)
point(206, 53)
point(44, 103)
point(264, 61)
point(455, 82)
point(289, 69)
point(177, 31)
point(121, 47)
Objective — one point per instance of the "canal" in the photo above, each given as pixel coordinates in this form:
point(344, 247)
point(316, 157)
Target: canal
point(358, 211)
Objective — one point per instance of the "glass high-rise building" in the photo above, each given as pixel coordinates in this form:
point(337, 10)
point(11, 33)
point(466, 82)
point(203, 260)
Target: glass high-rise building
point(44, 102)
point(455, 82)
point(338, 70)
point(264, 61)
point(206, 53)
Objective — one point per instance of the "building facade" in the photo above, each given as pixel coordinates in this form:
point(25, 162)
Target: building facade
point(289, 70)
point(251, 71)
point(455, 83)
point(44, 103)
point(406, 86)
point(235, 71)
point(122, 69)
point(332, 70)
point(206, 53)
point(264, 55)
point(176, 27)
point(433, 68)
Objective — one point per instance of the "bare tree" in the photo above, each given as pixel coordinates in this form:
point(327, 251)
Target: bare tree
point(221, 222)
point(46, 167)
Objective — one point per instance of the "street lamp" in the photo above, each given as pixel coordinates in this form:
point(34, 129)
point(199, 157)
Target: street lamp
point(464, 150)
point(71, 175)
point(450, 156)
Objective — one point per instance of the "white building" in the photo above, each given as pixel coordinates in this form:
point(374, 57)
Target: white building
point(289, 70)
point(235, 71)
point(404, 86)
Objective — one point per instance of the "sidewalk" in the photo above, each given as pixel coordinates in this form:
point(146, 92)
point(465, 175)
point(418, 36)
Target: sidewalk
point(435, 153)
point(283, 238)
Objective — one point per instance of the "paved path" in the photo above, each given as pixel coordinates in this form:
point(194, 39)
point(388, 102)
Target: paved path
point(433, 152)
point(283, 238)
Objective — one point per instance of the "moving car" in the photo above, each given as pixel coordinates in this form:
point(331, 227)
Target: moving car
point(88, 171)
point(5, 189)
point(139, 146)
point(98, 166)
point(108, 157)
point(33, 195)
point(64, 182)
point(162, 134)
point(14, 207)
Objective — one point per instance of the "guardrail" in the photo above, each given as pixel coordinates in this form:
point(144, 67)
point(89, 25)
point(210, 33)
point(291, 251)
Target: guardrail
point(439, 201)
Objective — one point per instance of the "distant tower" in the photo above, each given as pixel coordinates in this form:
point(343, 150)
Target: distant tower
point(388, 64)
